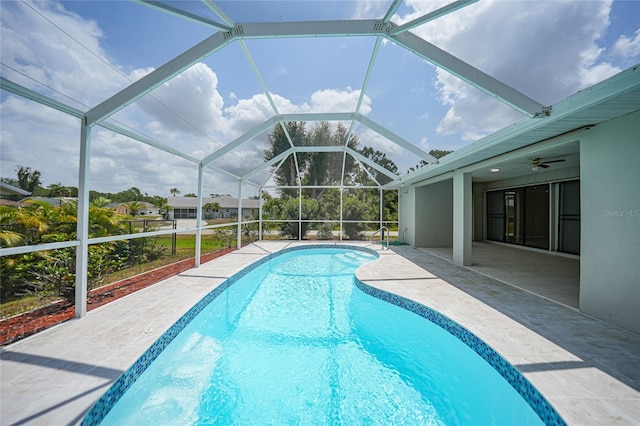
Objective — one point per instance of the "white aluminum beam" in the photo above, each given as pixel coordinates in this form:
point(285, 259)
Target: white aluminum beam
point(317, 116)
point(366, 27)
point(11, 251)
point(370, 163)
point(163, 7)
point(320, 148)
point(256, 72)
point(468, 73)
point(199, 216)
point(268, 164)
point(255, 131)
point(82, 226)
point(22, 91)
point(445, 10)
point(156, 78)
point(216, 9)
point(239, 231)
point(392, 9)
point(325, 187)
point(147, 140)
point(382, 131)
point(365, 84)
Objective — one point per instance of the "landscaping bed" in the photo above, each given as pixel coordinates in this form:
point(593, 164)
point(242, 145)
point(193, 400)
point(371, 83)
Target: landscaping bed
point(20, 326)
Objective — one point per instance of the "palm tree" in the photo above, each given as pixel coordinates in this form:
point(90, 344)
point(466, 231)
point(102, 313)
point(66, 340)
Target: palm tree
point(174, 191)
point(211, 207)
point(100, 202)
point(105, 222)
point(7, 218)
point(134, 207)
point(164, 210)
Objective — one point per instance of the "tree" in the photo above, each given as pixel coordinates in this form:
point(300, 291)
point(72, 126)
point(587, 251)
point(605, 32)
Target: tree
point(191, 194)
point(322, 169)
point(287, 174)
point(164, 210)
point(100, 202)
point(211, 207)
point(435, 153)
point(381, 159)
point(325, 168)
point(134, 207)
point(28, 179)
point(174, 191)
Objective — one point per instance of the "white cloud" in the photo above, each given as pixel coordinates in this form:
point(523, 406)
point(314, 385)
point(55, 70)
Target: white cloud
point(53, 59)
point(192, 94)
point(424, 144)
point(627, 47)
point(368, 137)
point(331, 100)
point(369, 9)
point(525, 44)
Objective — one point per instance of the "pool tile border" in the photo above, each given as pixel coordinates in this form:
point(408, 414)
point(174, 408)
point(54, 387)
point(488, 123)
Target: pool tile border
point(531, 395)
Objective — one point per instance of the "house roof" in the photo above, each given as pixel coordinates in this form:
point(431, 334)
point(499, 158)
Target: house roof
point(225, 202)
point(144, 204)
point(6, 189)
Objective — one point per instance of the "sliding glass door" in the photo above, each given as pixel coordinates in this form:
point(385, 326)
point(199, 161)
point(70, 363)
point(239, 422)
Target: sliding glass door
point(569, 217)
point(519, 216)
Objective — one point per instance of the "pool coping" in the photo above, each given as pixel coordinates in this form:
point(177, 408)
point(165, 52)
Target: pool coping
point(515, 378)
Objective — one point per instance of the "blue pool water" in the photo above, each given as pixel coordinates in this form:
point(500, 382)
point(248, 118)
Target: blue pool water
point(295, 341)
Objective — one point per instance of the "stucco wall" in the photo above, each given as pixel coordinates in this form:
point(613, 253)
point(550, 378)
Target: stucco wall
point(406, 215)
point(610, 213)
point(434, 215)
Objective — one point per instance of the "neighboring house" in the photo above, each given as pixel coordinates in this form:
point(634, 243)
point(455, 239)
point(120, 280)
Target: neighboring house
point(186, 207)
point(146, 209)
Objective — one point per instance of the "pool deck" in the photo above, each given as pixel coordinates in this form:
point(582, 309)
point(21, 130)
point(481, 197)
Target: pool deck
point(586, 368)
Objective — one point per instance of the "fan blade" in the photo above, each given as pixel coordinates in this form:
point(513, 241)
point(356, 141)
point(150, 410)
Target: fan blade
point(544, 166)
point(554, 161)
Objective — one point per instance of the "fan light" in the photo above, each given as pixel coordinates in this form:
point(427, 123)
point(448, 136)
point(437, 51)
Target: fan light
point(495, 170)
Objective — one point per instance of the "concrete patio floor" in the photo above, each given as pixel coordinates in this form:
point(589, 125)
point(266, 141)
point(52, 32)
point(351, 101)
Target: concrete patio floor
point(553, 276)
point(587, 369)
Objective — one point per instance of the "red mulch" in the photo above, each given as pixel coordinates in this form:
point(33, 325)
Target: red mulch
point(20, 326)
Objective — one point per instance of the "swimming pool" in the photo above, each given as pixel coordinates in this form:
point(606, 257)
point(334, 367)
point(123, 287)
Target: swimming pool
point(296, 340)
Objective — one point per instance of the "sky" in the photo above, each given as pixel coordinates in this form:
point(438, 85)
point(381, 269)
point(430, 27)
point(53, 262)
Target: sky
point(83, 52)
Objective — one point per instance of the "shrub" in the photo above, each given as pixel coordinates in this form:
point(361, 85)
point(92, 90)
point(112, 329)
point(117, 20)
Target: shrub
point(325, 231)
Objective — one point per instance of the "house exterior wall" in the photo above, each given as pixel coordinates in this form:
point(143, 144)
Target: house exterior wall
point(406, 215)
point(434, 215)
point(610, 214)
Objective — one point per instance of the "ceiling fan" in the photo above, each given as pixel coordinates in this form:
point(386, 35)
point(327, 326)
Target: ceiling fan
point(538, 163)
